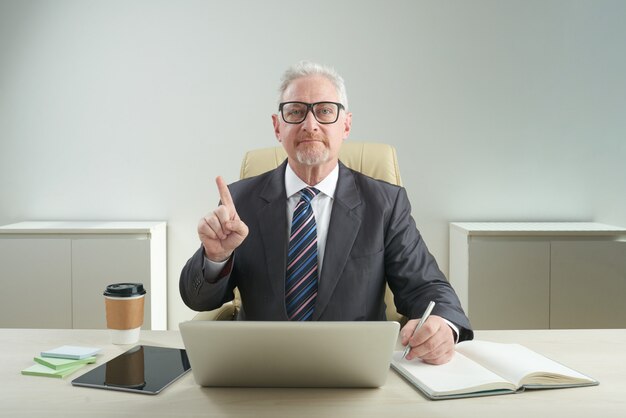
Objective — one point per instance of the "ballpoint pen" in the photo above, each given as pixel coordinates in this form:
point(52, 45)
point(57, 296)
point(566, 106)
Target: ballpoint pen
point(427, 312)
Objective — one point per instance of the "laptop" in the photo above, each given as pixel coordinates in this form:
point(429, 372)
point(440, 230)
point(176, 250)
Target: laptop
point(290, 354)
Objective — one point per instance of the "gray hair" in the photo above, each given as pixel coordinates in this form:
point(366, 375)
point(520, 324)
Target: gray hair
point(307, 68)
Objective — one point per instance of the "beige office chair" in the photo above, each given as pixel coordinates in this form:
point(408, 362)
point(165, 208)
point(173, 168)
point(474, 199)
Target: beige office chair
point(375, 160)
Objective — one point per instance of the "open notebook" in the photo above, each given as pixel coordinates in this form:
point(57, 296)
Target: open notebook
point(482, 368)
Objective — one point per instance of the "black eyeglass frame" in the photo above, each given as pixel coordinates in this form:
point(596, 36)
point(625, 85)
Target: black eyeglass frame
point(309, 108)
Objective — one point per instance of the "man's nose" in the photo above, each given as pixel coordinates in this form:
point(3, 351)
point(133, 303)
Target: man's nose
point(310, 123)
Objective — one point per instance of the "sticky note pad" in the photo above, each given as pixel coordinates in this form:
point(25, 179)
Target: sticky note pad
point(62, 363)
point(41, 370)
point(71, 352)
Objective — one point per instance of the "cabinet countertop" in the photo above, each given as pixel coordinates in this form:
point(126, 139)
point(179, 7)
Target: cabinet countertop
point(81, 227)
point(537, 228)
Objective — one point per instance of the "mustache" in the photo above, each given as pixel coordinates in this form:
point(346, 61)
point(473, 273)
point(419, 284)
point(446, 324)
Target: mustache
point(313, 136)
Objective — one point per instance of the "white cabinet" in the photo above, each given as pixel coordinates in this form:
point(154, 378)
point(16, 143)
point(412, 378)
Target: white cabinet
point(53, 274)
point(540, 275)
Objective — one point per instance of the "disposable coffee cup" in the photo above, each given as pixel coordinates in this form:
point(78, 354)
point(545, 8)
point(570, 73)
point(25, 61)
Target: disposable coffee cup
point(124, 304)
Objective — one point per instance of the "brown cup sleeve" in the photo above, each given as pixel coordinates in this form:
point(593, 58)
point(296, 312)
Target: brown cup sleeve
point(124, 314)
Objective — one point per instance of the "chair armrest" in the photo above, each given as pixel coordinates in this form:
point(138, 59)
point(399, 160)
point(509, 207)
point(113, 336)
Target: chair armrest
point(226, 312)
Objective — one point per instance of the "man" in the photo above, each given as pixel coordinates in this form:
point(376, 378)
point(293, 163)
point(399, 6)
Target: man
point(314, 240)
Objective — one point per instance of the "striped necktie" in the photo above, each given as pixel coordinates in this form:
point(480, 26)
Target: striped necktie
point(301, 278)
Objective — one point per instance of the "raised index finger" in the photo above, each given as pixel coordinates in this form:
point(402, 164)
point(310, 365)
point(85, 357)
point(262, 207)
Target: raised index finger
point(225, 196)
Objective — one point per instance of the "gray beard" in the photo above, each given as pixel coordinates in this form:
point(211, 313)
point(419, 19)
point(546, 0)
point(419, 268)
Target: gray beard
point(312, 157)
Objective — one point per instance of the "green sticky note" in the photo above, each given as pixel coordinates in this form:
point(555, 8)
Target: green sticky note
point(62, 363)
point(41, 370)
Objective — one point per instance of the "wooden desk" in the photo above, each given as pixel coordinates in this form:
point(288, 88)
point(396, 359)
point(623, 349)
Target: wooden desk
point(598, 353)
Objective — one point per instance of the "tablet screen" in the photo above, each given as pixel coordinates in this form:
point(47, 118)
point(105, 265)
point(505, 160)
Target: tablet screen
point(142, 369)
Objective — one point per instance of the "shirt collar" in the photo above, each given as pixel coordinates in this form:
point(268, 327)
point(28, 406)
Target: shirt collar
point(293, 183)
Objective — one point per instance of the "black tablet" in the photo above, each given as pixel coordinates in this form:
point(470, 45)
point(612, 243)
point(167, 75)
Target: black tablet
point(142, 369)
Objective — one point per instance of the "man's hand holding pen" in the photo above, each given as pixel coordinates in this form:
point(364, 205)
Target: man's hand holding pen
point(431, 340)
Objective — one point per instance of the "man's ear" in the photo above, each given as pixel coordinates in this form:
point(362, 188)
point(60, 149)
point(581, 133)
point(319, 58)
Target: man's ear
point(276, 124)
point(347, 125)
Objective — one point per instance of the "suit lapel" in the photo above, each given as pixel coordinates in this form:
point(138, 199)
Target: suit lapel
point(272, 219)
point(343, 228)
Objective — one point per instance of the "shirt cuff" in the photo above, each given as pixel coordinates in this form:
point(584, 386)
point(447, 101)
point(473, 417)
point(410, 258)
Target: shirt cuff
point(212, 269)
point(454, 329)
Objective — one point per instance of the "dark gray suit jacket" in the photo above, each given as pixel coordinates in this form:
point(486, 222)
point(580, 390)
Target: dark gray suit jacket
point(372, 239)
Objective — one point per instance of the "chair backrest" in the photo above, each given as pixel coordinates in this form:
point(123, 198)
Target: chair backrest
point(375, 160)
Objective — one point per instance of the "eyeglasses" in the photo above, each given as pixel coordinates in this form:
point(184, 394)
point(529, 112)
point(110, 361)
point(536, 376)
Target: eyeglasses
point(324, 112)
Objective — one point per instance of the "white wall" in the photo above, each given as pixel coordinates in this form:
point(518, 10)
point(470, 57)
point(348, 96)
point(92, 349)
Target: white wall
point(127, 110)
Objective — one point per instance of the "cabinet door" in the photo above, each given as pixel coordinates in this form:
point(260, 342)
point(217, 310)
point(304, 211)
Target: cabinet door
point(588, 287)
point(101, 261)
point(36, 283)
point(509, 284)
